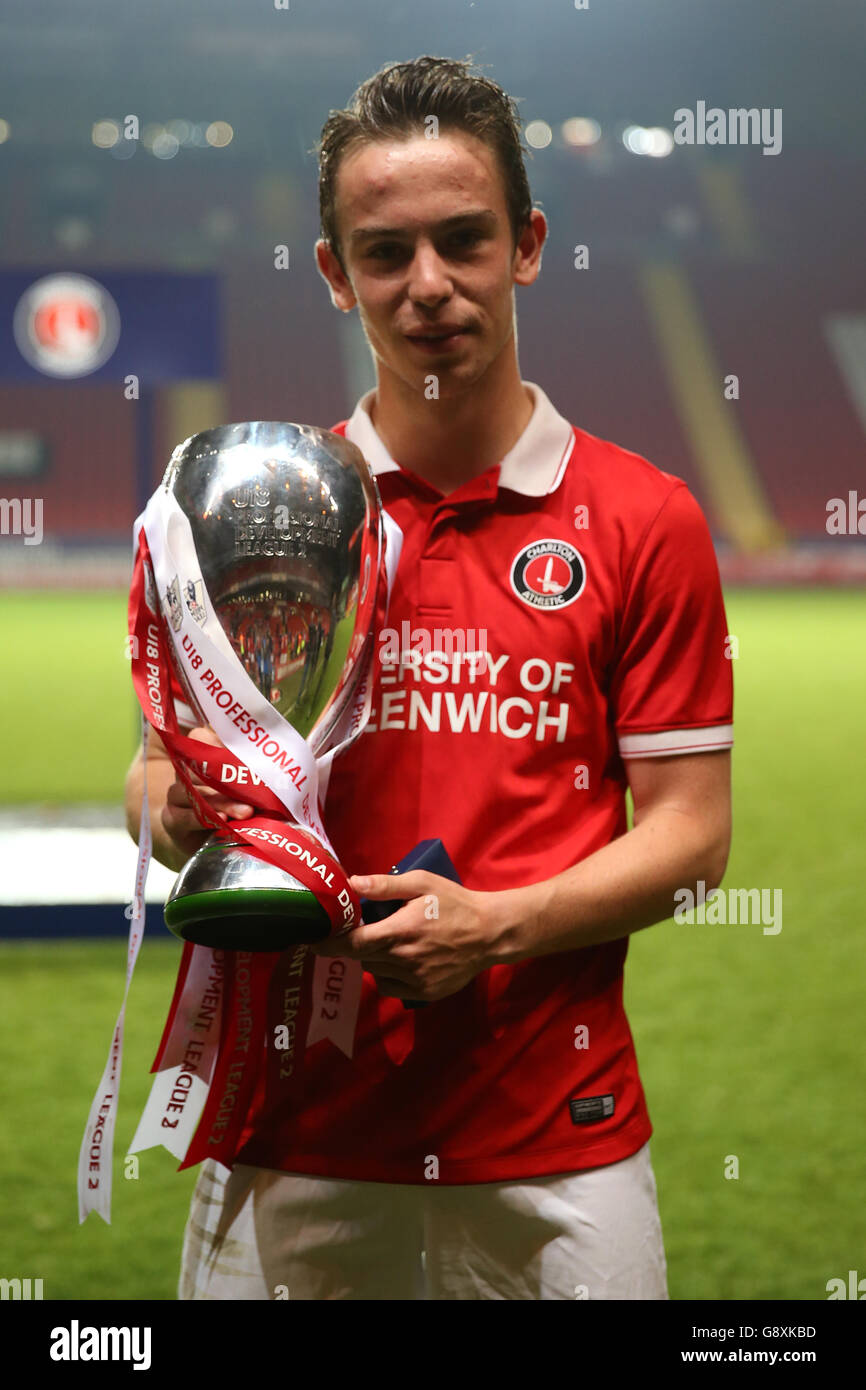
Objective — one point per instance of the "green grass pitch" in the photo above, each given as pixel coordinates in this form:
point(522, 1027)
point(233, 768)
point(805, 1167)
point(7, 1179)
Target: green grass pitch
point(750, 1045)
point(67, 691)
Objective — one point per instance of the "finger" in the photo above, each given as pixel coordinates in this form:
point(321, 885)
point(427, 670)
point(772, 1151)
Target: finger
point(205, 735)
point(355, 944)
point(181, 821)
point(380, 887)
point(178, 796)
point(183, 831)
point(393, 940)
point(235, 810)
point(185, 825)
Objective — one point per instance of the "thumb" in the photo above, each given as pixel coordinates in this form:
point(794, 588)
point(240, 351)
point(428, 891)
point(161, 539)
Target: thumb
point(378, 887)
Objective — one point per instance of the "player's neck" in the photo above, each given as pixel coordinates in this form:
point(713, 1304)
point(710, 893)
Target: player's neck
point(453, 439)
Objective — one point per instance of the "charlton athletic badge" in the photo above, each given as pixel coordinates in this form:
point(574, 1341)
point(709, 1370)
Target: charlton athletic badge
point(548, 574)
point(66, 325)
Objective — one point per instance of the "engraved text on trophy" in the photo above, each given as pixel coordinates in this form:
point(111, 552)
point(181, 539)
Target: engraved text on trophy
point(267, 527)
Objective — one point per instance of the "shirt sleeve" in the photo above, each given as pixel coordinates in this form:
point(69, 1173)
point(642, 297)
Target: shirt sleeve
point(672, 682)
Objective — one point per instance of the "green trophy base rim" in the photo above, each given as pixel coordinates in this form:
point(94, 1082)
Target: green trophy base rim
point(257, 919)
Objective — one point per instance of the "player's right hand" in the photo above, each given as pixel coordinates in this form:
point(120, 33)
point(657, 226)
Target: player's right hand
point(180, 818)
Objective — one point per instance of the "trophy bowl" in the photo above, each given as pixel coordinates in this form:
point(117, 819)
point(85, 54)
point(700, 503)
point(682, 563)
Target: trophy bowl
point(287, 527)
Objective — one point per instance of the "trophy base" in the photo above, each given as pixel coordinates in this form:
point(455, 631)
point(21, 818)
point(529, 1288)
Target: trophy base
point(228, 899)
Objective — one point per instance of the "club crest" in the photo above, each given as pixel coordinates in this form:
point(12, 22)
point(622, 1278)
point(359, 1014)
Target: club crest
point(548, 574)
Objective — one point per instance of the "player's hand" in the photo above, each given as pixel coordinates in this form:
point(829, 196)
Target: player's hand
point(180, 818)
point(429, 948)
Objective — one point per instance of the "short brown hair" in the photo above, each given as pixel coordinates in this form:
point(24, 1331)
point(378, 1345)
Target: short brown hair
point(397, 100)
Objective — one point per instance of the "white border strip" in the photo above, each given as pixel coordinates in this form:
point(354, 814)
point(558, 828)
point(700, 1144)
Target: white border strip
point(670, 742)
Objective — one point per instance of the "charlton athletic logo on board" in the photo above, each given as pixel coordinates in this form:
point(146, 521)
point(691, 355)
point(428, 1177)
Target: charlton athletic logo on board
point(66, 325)
point(548, 574)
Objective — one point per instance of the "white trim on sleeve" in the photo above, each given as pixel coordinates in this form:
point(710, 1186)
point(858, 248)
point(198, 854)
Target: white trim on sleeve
point(673, 741)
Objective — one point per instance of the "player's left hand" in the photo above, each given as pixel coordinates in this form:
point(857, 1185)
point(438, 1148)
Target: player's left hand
point(429, 948)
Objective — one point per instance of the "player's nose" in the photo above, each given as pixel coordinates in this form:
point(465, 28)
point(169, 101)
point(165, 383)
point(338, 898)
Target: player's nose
point(429, 281)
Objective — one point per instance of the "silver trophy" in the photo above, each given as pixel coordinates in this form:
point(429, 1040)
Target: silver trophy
point(287, 527)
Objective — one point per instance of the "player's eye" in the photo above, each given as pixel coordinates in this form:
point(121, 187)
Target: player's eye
point(464, 239)
point(385, 251)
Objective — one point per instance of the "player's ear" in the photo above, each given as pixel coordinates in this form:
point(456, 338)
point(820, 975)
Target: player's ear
point(527, 253)
point(339, 285)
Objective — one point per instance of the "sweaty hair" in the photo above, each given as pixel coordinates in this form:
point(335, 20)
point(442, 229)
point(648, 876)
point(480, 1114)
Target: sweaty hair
point(396, 102)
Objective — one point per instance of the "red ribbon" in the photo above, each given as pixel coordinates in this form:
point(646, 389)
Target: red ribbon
point(277, 841)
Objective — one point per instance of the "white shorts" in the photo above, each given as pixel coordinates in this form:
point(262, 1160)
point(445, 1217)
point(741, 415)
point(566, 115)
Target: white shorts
point(256, 1233)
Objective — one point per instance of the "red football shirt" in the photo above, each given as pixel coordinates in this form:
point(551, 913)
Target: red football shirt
point(589, 579)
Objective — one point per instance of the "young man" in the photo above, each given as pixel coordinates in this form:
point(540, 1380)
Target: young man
point(502, 1131)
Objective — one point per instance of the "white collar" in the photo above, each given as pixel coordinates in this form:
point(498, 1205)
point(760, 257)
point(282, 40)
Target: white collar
point(534, 466)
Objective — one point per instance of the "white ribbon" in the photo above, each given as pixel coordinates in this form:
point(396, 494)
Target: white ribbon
point(204, 646)
point(290, 772)
point(97, 1146)
point(177, 1097)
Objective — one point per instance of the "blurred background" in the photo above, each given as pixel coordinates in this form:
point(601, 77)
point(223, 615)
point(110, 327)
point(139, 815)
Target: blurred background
point(703, 305)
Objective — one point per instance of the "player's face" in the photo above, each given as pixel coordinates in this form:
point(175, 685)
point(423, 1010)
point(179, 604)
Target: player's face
point(429, 256)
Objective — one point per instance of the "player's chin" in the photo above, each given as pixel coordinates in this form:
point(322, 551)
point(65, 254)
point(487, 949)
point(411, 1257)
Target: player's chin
point(445, 376)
